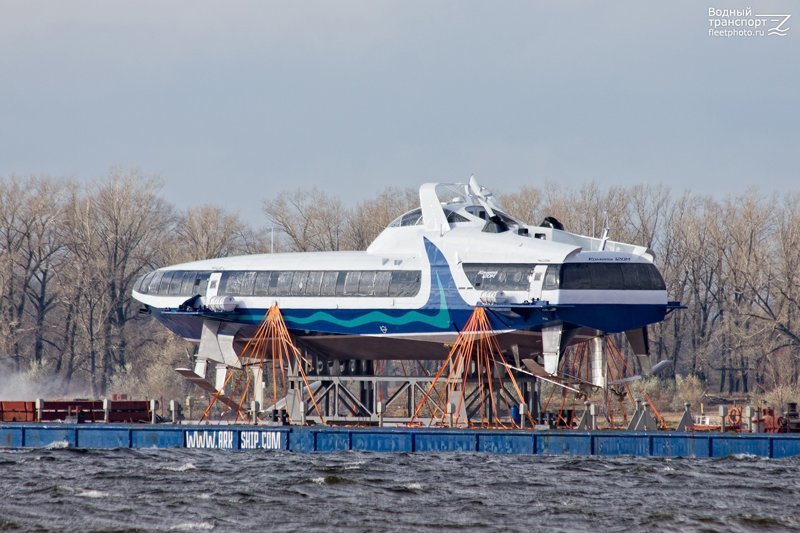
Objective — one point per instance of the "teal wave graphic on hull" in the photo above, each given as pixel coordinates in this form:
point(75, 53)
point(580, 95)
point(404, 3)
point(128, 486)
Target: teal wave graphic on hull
point(440, 320)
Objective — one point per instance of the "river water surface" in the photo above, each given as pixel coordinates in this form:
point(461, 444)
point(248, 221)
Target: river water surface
point(191, 490)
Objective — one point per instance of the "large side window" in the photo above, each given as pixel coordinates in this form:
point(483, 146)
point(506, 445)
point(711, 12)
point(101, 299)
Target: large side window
point(405, 283)
point(154, 282)
point(188, 283)
point(248, 281)
point(175, 283)
point(284, 284)
point(351, 283)
point(611, 276)
point(656, 281)
point(163, 287)
point(607, 276)
point(299, 283)
point(340, 281)
point(497, 277)
point(313, 282)
point(144, 283)
point(261, 286)
point(329, 283)
point(382, 280)
point(366, 283)
point(551, 278)
point(230, 283)
point(576, 276)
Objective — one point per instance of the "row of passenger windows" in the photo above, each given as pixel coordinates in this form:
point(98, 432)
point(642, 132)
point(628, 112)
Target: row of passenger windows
point(594, 276)
point(173, 283)
point(394, 284)
point(401, 283)
point(496, 277)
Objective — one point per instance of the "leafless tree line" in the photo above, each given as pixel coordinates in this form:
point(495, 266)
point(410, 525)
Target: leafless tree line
point(732, 262)
point(69, 256)
point(70, 253)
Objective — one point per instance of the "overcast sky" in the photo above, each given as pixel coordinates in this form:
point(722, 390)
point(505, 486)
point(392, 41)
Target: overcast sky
point(229, 102)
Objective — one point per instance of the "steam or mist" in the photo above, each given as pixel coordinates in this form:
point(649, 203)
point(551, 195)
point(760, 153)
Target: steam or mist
point(35, 382)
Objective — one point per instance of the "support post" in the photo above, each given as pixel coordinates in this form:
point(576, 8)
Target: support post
point(379, 409)
point(254, 408)
point(523, 411)
point(106, 410)
point(747, 418)
point(189, 407)
point(598, 363)
point(176, 411)
point(153, 411)
point(258, 384)
point(450, 409)
point(723, 412)
point(221, 372)
point(551, 348)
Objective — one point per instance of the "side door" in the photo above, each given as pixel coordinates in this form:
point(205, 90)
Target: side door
point(213, 284)
point(537, 279)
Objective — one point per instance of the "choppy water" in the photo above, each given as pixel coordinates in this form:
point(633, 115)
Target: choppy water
point(184, 490)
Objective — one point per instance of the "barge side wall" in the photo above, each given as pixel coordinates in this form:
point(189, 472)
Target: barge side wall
point(331, 439)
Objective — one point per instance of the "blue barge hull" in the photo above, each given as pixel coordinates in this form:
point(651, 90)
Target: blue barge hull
point(332, 439)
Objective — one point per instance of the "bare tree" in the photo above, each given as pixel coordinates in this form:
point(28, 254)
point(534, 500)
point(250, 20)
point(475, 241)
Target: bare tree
point(311, 220)
point(114, 233)
point(370, 217)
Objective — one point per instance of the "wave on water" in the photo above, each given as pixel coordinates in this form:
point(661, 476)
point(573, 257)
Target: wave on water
point(192, 526)
point(185, 467)
point(92, 494)
point(328, 480)
point(199, 490)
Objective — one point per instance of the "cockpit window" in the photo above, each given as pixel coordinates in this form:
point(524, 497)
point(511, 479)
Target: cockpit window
point(477, 210)
point(453, 217)
point(501, 223)
point(412, 218)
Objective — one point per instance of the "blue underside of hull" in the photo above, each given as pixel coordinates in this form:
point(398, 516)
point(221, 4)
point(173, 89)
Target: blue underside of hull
point(609, 318)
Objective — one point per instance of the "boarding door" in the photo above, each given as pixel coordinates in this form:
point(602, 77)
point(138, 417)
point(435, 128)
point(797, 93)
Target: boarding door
point(537, 279)
point(213, 284)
